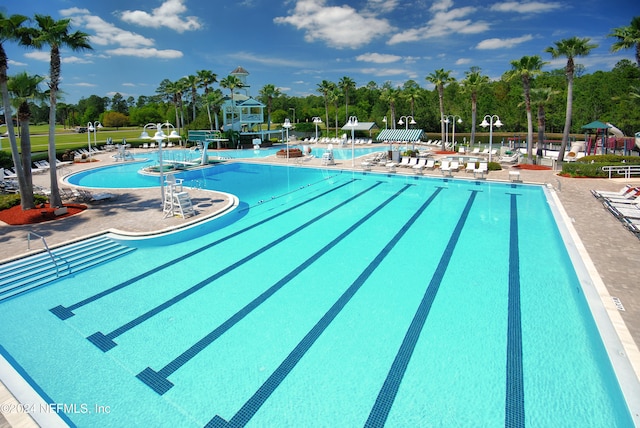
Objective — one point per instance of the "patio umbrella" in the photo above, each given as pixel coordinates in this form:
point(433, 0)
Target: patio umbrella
point(597, 125)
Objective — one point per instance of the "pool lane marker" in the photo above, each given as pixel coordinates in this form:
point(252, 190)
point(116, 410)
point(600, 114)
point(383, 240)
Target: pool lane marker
point(251, 407)
point(105, 341)
point(157, 380)
point(65, 312)
point(387, 394)
point(514, 400)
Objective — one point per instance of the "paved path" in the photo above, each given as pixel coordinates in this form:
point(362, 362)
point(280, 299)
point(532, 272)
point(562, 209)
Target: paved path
point(614, 250)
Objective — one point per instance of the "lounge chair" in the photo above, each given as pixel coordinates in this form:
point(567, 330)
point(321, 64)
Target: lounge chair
point(445, 166)
point(604, 193)
point(455, 165)
point(471, 167)
point(627, 198)
point(404, 162)
point(514, 158)
point(418, 167)
point(476, 151)
point(431, 164)
point(626, 210)
point(483, 168)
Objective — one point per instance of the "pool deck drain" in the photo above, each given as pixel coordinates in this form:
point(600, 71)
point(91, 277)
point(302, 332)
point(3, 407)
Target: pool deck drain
point(613, 250)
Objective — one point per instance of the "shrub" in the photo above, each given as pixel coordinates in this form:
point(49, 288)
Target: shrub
point(494, 166)
point(591, 166)
point(8, 201)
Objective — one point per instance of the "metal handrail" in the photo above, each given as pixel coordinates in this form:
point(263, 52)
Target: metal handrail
point(626, 170)
point(46, 247)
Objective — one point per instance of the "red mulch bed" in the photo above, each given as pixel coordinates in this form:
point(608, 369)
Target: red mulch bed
point(533, 167)
point(445, 152)
point(16, 216)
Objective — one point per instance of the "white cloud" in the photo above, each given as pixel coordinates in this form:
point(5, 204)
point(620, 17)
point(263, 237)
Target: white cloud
point(16, 63)
point(39, 55)
point(338, 26)
point(525, 7)
point(385, 71)
point(496, 43)
point(168, 15)
point(462, 61)
point(146, 53)
point(444, 22)
point(267, 60)
point(83, 84)
point(378, 58)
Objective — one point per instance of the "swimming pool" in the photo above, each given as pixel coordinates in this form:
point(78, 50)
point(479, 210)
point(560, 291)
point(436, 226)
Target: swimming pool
point(328, 298)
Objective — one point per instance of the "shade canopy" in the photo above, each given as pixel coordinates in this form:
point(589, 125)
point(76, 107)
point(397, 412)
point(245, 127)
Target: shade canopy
point(360, 126)
point(596, 124)
point(400, 135)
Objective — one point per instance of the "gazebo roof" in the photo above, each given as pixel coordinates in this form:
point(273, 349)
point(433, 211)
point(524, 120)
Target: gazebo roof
point(400, 135)
point(361, 126)
point(596, 124)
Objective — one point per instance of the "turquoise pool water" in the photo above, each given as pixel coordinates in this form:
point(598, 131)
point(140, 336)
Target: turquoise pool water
point(328, 299)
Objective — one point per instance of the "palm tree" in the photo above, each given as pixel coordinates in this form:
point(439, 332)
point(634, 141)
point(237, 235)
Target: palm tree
point(267, 94)
point(215, 98)
point(11, 30)
point(440, 79)
point(473, 82)
point(628, 37)
point(192, 83)
point(231, 82)
point(540, 97)
point(169, 91)
point(569, 48)
point(23, 89)
point(390, 95)
point(56, 35)
point(526, 68)
point(346, 84)
point(325, 87)
point(207, 78)
point(411, 93)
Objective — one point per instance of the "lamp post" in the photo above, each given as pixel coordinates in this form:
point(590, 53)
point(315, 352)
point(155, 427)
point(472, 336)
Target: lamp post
point(453, 121)
point(286, 125)
point(490, 124)
point(92, 127)
point(384, 119)
point(317, 121)
point(404, 120)
point(4, 124)
point(353, 122)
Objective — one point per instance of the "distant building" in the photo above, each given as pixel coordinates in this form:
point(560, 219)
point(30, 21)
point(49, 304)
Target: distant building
point(242, 113)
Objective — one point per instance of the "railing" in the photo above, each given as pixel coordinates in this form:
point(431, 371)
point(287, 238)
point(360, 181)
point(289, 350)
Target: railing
point(46, 247)
point(626, 170)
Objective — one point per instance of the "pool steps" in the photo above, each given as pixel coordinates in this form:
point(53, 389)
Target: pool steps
point(25, 274)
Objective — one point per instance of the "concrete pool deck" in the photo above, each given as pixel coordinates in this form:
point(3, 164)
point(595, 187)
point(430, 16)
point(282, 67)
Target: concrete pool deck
point(612, 249)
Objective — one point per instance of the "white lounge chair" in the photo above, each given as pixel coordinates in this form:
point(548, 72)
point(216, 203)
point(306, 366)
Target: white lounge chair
point(404, 162)
point(604, 193)
point(418, 167)
point(431, 164)
point(455, 165)
point(445, 166)
point(483, 168)
point(471, 167)
point(514, 158)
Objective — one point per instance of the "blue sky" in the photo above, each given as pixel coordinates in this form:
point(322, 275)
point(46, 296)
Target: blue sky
point(295, 44)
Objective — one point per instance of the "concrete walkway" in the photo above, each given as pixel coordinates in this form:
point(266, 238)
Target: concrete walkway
point(613, 249)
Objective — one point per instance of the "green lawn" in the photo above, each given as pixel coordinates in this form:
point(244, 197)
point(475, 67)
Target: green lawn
point(68, 139)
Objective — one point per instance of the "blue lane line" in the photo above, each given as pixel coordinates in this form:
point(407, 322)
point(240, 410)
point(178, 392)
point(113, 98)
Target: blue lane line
point(514, 400)
point(105, 341)
point(63, 312)
point(387, 395)
point(251, 407)
point(158, 380)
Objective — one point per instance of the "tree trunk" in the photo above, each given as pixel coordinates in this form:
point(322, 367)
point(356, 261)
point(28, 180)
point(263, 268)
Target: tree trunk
point(54, 198)
point(474, 114)
point(567, 120)
point(26, 195)
point(441, 99)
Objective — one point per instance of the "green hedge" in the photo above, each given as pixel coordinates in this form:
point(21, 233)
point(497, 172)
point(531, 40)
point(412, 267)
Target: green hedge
point(11, 200)
point(591, 166)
